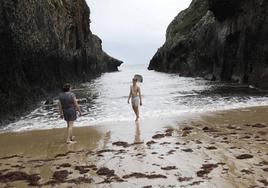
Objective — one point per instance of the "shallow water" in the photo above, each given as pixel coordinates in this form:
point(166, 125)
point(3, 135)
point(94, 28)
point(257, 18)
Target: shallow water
point(104, 99)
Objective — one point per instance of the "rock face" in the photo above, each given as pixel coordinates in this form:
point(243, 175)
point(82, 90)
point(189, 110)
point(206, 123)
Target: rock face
point(43, 44)
point(220, 40)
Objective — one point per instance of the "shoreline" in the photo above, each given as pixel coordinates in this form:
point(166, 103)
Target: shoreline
point(190, 115)
point(222, 149)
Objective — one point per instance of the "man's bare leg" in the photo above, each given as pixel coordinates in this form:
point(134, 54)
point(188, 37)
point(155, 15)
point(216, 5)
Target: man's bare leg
point(136, 110)
point(138, 113)
point(133, 107)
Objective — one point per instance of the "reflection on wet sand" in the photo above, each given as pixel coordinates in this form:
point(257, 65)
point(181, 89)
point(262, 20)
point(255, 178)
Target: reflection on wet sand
point(226, 149)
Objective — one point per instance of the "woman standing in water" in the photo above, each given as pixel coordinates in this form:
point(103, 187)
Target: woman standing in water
point(135, 95)
point(68, 106)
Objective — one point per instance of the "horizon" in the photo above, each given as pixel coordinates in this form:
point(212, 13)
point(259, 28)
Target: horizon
point(137, 42)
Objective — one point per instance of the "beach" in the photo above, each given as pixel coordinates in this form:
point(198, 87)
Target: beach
point(214, 149)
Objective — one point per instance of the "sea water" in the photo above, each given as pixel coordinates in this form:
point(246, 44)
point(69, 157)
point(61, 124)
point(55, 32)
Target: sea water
point(104, 99)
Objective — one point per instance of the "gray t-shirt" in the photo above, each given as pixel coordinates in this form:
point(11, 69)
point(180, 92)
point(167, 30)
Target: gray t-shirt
point(67, 100)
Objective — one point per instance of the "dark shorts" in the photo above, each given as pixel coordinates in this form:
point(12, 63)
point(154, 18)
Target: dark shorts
point(69, 114)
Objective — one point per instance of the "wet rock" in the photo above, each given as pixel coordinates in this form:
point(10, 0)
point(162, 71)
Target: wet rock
point(111, 179)
point(80, 180)
point(265, 169)
point(233, 147)
point(60, 176)
point(245, 137)
point(51, 183)
point(10, 157)
point(169, 132)
point(156, 176)
point(165, 143)
point(150, 143)
point(135, 175)
point(65, 165)
point(244, 156)
point(169, 168)
point(182, 179)
point(105, 151)
point(207, 129)
point(20, 176)
point(187, 128)
point(84, 169)
point(261, 140)
point(262, 133)
point(38, 166)
point(3, 171)
point(48, 102)
point(186, 133)
point(121, 151)
point(171, 152)
point(142, 175)
point(233, 133)
point(259, 125)
point(117, 179)
point(206, 169)
point(263, 163)
point(187, 150)
point(61, 155)
point(211, 148)
point(82, 101)
point(122, 144)
point(196, 183)
point(246, 171)
point(231, 127)
point(264, 181)
point(105, 172)
point(158, 136)
point(137, 143)
point(40, 160)
point(18, 166)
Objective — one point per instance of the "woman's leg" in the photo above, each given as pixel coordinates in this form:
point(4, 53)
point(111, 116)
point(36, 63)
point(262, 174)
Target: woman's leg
point(69, 130)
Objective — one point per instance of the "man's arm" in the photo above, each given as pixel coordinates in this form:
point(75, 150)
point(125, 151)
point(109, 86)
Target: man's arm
point(140, 96)
point(129, 96)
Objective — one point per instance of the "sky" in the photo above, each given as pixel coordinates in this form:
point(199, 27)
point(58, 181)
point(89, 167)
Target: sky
point(133, 30)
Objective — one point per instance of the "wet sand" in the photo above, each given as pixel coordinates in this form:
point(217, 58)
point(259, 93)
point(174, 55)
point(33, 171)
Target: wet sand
point(224, 149)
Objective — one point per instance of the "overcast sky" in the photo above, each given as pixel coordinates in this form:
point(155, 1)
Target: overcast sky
point(133, 30)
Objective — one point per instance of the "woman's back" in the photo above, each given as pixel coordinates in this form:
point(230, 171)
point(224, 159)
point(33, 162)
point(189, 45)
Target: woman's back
point(67, 100)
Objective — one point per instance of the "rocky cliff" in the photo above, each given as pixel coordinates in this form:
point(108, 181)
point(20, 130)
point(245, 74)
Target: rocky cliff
point(220, 40)
point(43, 44)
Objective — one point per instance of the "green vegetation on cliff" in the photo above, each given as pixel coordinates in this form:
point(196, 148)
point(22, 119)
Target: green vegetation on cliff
point(183, 24)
